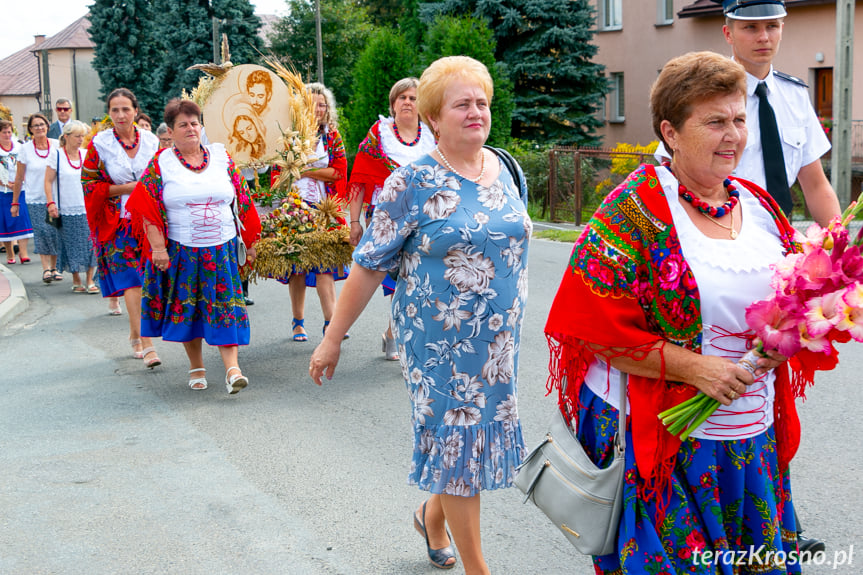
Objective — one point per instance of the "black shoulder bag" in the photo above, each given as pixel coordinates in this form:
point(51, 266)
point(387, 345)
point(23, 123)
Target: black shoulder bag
point(56, 222)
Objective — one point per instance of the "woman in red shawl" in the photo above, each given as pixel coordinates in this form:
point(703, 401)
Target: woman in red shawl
point(183, 215)
point(391, 143)
point(326, 178)
point(657, 286)
point(115, 160)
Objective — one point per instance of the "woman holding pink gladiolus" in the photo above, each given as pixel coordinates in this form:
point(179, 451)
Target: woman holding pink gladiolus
point(817, 300)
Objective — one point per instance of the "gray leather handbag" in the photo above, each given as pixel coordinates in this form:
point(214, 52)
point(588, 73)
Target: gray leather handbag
point(582, 500)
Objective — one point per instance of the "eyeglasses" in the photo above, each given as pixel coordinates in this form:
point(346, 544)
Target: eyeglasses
point(63, 109)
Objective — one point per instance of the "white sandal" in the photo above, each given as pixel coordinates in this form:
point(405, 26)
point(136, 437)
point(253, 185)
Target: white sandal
point(152, 362)
point(235, 382)
point(198, 383)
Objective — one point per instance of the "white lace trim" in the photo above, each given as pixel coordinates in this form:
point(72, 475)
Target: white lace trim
point(745, 254)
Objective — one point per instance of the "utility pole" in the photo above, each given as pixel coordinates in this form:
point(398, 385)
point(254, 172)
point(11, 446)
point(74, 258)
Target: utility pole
point(319, 41)
point(840, 164)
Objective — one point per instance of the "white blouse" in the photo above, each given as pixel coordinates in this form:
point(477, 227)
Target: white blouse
point(310, 189)
point(402, 153)
point(119, 165)
point(34, 175)
point(198, 204)
point(68, 178)
point(731, 274)
point(9, 166)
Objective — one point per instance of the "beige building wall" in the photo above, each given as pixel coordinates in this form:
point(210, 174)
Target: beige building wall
point(71, 75)
point(641, 47)
point(21, 108)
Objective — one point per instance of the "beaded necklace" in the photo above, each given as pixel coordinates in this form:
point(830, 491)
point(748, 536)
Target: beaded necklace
point(190, 166)
point(125, 146)
point(453, 170)
point(12, 145)
point(35, 149)
point(68, 159)
point(399, 138)
point(704, 207)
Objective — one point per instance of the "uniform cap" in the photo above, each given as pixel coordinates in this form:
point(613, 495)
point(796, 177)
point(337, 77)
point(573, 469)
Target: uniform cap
point(753, 9)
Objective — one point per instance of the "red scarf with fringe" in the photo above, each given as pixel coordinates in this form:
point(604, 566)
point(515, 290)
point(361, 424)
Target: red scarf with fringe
point(372, 166)
point(628, 286)
point(103, 211)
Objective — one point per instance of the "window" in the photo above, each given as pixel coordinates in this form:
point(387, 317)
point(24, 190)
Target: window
point(610, 15)
point(664, 12)
point(616, 110)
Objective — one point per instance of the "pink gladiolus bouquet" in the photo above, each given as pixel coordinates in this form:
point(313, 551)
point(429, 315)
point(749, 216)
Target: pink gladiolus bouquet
point(817, 300)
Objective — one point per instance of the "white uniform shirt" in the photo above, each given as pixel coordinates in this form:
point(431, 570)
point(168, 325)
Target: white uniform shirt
point(198, 204)
point(731, 274)
point(122, 168)
point(34, 175)
point(803, 138)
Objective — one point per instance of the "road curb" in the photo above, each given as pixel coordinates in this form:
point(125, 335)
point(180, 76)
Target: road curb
point(13, 296)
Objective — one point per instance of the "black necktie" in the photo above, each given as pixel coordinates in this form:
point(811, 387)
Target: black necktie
point(771, 148)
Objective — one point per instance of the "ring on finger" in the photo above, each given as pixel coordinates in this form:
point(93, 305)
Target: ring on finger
point(734, 395)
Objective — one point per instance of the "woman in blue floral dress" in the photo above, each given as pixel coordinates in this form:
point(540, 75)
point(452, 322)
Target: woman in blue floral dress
point(455, 225)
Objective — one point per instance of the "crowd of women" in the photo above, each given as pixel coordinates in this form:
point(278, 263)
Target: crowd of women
point(446, 236)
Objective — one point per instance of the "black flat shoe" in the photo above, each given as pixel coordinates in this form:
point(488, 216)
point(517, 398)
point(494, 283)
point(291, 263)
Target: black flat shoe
point(437, 557)
point(249, 301)
point(810, 546)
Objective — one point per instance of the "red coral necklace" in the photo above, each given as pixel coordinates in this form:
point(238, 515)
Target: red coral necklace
point(189, 166)
point(129, 146)
point(35, 149)
point(68, 159)
point(399, 138)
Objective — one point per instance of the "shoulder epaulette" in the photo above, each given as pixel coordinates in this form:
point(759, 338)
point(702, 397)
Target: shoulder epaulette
point(790, 78)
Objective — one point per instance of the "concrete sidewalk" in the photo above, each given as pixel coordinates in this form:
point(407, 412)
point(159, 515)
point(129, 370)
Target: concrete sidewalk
point(13, 296)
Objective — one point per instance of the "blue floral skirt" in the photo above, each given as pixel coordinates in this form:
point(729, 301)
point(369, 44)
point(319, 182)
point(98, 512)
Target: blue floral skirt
point(14, 228)
point(118, 261)
point(723, 513)
point(46, 238)
point(76, 249)
point(199, 296)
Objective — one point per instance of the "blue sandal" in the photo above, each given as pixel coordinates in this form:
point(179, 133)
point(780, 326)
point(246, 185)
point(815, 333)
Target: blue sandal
point(324, 331)
point(298, 323)
point(437, 557)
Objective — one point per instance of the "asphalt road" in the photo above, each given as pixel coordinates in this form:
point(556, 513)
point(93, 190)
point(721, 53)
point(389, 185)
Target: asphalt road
point(106, 467)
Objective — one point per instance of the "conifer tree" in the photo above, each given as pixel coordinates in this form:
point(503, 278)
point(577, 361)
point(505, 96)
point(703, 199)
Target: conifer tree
point(547, 47)
point(125, 52)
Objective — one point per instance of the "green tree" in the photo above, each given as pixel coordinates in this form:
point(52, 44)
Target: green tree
point(185, 38)
point(124, 48)
point(547, 45)
point(454, 36)
point(386, 59)
point(345, 29)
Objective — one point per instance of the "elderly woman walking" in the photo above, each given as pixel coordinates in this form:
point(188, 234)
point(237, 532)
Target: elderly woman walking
point(30, 176)
point(455, 225)
point(183, 212)
point(115, 160)
point(657, 287)
point(392, 142)
point(65, 196)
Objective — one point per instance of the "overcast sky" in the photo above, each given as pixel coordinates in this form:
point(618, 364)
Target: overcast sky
point(23, 19)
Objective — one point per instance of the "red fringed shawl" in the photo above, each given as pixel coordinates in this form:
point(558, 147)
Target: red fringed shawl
point(628, 286)
point(372, 166)
point(146, 203)
point(103, 211)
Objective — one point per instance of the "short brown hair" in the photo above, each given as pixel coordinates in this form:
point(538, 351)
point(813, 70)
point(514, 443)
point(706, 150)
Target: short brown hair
point(179, 106)
point(441, 73)
point(399, 88)
point(691, 79)
point(6, 124)
point(35, 117)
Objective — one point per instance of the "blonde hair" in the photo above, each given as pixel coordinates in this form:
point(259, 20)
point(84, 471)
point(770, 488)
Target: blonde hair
point(73, 128)
point(332, 117)
point(689, 80)
point(400, 88)
point(440, 74)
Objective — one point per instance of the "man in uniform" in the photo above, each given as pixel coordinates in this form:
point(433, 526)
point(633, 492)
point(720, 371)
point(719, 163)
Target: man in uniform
point(786, 140)
point(753, 29)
